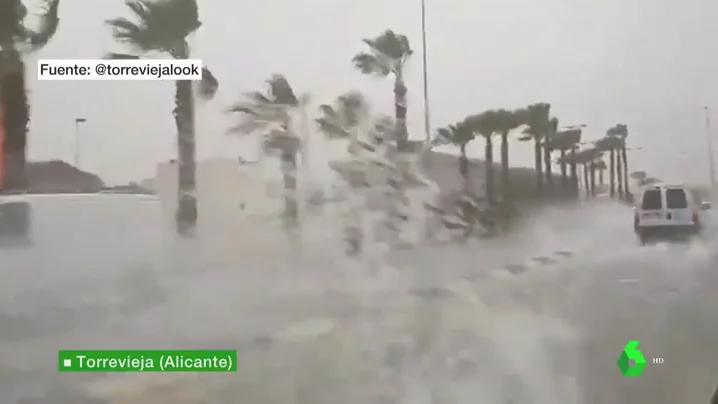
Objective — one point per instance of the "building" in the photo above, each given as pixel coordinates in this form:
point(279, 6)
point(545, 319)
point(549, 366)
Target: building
point(228, 191)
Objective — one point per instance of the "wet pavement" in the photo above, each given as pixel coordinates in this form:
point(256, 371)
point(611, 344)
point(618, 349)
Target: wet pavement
point(537, 318)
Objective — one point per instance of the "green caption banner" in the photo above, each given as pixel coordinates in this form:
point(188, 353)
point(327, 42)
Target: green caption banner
point(147, 361)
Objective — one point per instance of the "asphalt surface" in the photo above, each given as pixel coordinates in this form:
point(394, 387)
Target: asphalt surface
point(539, 318)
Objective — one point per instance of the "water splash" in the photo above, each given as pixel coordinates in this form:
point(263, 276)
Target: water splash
point(438, 324)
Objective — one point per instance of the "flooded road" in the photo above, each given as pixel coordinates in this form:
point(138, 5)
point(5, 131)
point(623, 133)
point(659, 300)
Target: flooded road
point(538, 318)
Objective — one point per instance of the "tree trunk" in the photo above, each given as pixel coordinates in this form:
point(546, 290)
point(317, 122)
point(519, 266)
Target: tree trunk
point(505, 169)
point(400, 107)
point(625, 170)
point(612, 173)
point(397, 177)
point(289, 176)
point(564, 174)
point(489, 169)
point(15, 111)
point(574, 173)
point(592, 167)
point(548, 167)
point(619, 174)
point(354, 229)
point(464, 168)
point(538, 165)
point(186, 217)
point(586, 180)
point(14, 120)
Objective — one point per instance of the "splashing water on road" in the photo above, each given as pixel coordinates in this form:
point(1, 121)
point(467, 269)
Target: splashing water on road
point(539, 317)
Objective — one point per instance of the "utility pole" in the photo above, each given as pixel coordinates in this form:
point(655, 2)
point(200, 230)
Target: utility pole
point(709, 144)
point(427, 123)
point(78, 121)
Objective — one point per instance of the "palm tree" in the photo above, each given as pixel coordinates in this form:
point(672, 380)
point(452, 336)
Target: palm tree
point(612, 170)
point(388, 55)
point(610, 144)
point(460, 135)
point(586, 158)
point(270, 115)
point(539, 121)
point(486, 124)
point(507, 121)
point(548, 148)
point(164, 26)
point(342, 121)
point(17, 40)
point(566, 141)
point(621, 132)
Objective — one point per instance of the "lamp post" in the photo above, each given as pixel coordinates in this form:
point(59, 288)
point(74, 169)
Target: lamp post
point(78, 121)
point(709, 144)
point(427, 123)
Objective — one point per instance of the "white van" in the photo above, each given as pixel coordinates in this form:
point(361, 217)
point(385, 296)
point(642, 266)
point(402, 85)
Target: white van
point(667, 211)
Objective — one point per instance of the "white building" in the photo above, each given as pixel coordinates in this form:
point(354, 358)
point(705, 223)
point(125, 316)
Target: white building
point(228, 192)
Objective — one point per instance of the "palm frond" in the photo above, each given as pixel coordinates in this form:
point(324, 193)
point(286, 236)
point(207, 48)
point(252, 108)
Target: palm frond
point(394, 46)
point(459, 134)
point(208, 86)
point(539, 120)
point(120, 56)
point(327, 110)
point(566, 139)
point(382, 129)
point(126, 31)
point(158, 25)
point(331, 123)
point(249, 125)
point(620, 130)
point(370, 64)
point(443, 135)
point(388, 53)
point(278, 140)
point(609, 143)
point(49, 21)
point(258, 98)
point(508, 120)
point(254, 120)
point(331, 129)
point(485, 124)
point(354, 107)
point(269, 115)
point(554, 125)
point(338, 121)
point(281, 91)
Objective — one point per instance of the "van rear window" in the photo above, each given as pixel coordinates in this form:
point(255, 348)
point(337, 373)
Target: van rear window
point(676, 199)
point(652, 200)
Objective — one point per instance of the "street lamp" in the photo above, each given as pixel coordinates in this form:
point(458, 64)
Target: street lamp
point(709, 144)
point(78, 121)
point(427, 123)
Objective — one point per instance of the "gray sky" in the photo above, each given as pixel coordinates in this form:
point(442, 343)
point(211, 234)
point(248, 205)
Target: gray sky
point(598, 63)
